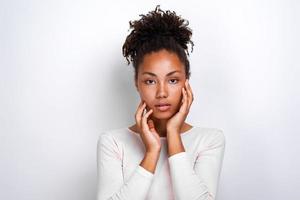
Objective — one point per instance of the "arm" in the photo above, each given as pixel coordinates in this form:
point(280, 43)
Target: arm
point(111, 183)
point(199, 180)
point(150, 161)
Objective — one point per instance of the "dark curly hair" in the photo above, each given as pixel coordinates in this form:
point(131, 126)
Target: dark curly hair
point(156, 31)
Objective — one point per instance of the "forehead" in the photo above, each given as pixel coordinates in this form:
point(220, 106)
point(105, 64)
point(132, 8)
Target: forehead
point(161, 62)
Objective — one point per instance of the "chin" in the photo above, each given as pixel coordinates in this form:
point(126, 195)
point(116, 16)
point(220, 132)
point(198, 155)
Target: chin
point(162, 115)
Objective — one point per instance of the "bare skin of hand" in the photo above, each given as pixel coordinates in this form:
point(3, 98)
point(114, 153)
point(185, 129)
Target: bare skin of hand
point(149, 135)
point(175, 123)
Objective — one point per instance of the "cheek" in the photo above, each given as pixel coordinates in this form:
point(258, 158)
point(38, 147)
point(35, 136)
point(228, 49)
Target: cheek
point(175, 97)
point(147, 95)
point(179, 97)
point(176, 93)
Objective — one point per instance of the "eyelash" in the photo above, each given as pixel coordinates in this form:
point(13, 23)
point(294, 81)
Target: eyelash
point(152, 80)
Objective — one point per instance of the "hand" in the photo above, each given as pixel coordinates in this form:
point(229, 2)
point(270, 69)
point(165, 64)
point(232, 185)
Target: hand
point(175, 123)
point(149, 135)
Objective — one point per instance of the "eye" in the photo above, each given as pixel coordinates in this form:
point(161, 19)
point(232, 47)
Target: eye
point(149, 81)
point(173, 81)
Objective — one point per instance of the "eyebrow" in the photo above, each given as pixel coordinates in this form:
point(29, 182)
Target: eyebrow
point(169, 74)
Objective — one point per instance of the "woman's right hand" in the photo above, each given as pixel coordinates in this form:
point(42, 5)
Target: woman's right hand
point(149, 135)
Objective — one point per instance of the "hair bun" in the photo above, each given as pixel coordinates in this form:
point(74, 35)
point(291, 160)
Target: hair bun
point(159, 23)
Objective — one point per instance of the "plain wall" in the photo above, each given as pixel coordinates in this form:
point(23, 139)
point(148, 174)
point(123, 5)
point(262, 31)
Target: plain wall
point(63, 81)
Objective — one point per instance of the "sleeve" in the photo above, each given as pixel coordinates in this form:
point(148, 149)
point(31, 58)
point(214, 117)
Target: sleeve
point(110, 182)
point(198, 181)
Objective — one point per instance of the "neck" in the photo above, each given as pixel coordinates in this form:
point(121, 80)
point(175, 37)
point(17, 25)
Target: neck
point(160, 126)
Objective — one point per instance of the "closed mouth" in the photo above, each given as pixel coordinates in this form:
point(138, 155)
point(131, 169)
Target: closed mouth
point(163, 107)
point(163, 104)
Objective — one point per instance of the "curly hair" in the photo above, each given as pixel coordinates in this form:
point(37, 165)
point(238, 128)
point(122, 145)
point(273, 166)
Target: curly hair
point(155, 31)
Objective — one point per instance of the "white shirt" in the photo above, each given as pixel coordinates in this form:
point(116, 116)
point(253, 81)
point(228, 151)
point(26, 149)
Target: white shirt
point(189, 175)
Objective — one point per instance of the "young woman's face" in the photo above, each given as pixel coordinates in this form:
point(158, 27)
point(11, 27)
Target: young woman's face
point(161, 77)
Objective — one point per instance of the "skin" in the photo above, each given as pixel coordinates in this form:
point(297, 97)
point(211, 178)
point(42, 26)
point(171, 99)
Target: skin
point(155, 86)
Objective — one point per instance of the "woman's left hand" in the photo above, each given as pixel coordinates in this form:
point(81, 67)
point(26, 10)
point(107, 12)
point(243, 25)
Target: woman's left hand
point(175, 123)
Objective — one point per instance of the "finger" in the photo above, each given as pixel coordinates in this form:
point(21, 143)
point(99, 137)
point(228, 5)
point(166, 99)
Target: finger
point(151, 124)
point(189, 86)
point(190, 91)
point(139, 114)
point(189, 94)
point(152, 128)
point(144, 120)
point(140, 105)
point(184, 106)
point(140, 110)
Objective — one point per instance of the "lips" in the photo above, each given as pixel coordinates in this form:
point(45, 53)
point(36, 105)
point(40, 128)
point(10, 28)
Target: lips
point(163, 106)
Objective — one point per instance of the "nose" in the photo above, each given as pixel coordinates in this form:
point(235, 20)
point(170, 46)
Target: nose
point(161, 91)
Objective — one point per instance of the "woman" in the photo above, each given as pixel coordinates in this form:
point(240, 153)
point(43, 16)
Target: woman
point(161, 156)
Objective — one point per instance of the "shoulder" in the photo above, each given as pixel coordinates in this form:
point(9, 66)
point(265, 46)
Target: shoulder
point(117, 135)
point(112, 133)
point(211, 135)
point(110, 142)
point(112, 136)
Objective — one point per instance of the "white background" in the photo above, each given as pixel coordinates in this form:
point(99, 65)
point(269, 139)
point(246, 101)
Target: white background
point(63, 81)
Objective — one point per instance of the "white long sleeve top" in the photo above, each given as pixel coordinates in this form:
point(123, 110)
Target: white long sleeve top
point(189, 175)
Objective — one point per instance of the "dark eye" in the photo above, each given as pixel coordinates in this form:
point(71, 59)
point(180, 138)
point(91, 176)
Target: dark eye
point(173, 81)
point(149, 82)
